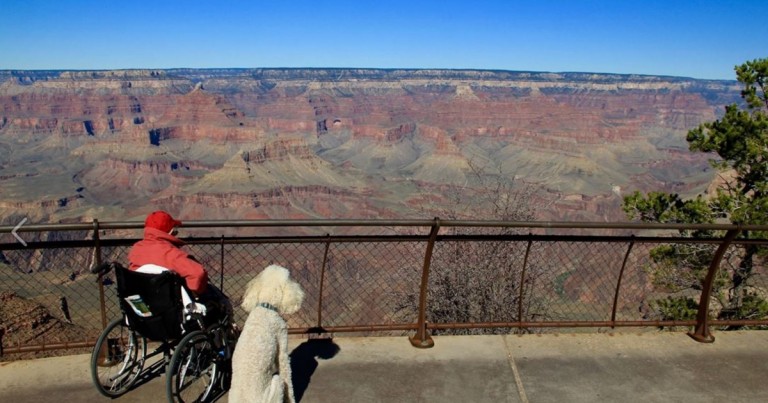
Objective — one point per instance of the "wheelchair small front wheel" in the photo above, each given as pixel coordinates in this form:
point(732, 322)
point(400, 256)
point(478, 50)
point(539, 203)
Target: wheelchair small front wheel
point(194, 369)
point(117, 359)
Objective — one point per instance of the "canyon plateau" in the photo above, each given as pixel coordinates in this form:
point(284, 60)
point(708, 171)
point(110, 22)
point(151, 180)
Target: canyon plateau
point(343, 143)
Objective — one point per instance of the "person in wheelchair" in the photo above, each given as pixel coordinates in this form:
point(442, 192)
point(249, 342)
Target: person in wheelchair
point(160, 247)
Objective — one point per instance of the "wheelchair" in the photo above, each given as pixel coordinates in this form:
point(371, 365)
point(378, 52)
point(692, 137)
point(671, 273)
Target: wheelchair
point(157, 311)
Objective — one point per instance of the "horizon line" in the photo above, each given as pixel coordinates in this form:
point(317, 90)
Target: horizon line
point(449, 69)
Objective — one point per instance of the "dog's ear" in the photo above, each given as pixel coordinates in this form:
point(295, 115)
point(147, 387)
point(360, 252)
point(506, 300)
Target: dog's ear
point(251, 295)
point(258, 290)
point(293, 296)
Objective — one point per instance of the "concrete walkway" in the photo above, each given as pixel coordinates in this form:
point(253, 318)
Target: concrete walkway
point(647, 367)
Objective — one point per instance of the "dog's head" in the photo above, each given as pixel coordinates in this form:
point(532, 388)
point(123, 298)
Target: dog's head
point(275, 287)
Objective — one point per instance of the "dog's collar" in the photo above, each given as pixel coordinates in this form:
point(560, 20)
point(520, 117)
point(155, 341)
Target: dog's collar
point(268, 306)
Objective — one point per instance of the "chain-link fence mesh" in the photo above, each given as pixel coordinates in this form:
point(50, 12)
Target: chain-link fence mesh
point(482, 281)
point(48, 296)
point(373, 285)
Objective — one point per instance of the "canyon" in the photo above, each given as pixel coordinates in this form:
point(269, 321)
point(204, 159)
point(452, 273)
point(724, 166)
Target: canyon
point(343, 143)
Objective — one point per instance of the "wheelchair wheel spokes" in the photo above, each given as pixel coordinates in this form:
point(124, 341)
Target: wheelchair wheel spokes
point(194, 369)
point(117, 359)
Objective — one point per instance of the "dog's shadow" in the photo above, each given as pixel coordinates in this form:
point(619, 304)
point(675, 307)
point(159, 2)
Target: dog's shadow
point(304, 362)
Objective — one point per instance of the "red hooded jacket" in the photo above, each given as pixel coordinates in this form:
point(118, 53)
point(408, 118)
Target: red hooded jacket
point(162, 249)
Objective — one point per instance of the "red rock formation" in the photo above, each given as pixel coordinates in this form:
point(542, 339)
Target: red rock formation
point(278, 150)
point(147, 137)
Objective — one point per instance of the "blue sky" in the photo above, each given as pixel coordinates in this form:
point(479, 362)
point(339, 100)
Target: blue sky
point(700, 39)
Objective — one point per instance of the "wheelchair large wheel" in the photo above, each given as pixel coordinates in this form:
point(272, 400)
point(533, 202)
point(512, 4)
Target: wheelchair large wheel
point(194, 369)
point(117, 359)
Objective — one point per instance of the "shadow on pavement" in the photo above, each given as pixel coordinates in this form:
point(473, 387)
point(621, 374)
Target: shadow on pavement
point(304, 362)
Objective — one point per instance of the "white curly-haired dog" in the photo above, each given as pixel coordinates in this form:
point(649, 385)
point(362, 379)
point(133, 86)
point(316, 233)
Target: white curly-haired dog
point(261, 370)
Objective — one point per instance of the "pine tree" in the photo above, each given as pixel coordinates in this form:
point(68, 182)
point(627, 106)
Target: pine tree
point(739, 144)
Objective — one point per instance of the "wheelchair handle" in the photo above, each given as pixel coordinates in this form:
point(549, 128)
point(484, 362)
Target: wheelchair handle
point(103, 268)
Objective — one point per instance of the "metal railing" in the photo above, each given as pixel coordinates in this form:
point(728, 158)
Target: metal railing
point(414, 277)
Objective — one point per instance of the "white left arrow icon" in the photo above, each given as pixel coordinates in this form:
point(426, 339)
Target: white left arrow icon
point(16, 228)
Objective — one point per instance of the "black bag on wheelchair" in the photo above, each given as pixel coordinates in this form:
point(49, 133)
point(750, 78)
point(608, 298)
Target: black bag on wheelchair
point(151, 303)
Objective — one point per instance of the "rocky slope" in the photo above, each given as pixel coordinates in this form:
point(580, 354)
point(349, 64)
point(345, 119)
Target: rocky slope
point(341, 143)
point(23, 322)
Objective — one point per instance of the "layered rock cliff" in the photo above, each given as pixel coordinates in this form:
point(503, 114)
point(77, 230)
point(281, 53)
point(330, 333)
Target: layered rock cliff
point(353, 143)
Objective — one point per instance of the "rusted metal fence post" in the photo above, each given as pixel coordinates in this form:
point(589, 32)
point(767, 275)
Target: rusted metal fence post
point(221, 266)
point(522, 283)
point(701, 333)
point(618, 283)
point(100, 279)
point(322, 284)
point(422, 339)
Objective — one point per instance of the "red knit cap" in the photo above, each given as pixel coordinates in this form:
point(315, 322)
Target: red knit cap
point(161, 220)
